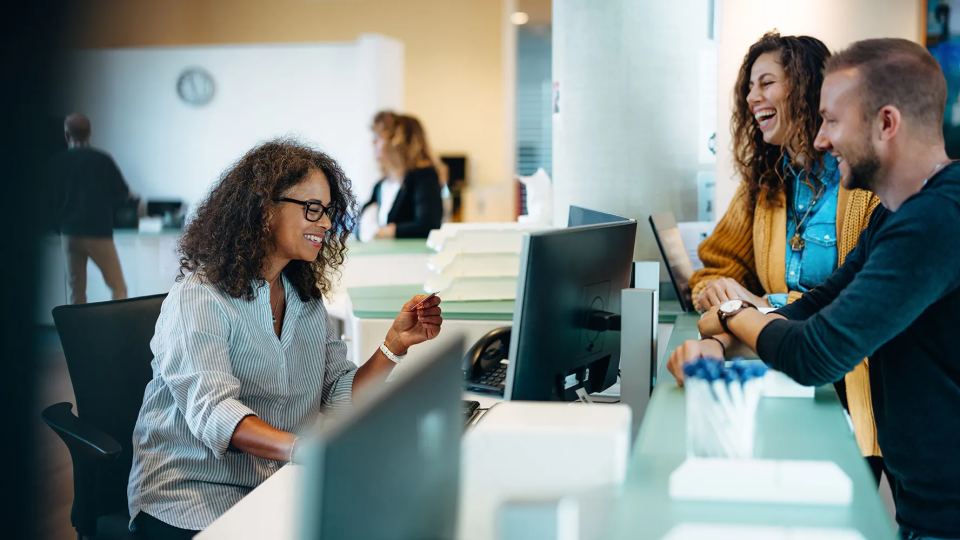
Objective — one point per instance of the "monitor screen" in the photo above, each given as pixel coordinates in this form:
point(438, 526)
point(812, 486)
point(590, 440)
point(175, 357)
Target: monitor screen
point(568, 288)
point(389, 468)
point(580, 216)
point(674, 256)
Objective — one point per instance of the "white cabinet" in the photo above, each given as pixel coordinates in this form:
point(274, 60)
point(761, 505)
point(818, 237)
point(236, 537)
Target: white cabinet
point(149, 263)
point(53, 279)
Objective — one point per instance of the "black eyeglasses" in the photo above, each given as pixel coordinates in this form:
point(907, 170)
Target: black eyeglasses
point(313, 211)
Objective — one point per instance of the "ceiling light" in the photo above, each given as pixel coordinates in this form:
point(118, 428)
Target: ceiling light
point(519, 18)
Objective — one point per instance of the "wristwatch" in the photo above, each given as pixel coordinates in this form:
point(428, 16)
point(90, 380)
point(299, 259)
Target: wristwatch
point(730, 308)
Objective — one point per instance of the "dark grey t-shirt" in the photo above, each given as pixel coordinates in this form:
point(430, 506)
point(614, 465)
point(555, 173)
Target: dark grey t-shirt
point(895, 301)
point(88, 188)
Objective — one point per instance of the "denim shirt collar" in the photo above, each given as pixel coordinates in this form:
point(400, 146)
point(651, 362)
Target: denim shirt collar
point(828, 173)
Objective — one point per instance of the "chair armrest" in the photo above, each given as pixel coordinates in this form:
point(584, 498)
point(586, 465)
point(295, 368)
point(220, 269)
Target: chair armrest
point(85, 441)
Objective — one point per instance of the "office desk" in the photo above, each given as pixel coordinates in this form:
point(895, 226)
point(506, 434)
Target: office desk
point(402, 261)
point(383, 302)
point(394, 246)
point(396, 261)
point(371, 311)
point(787, 428)
point(148, 259)
point(270, 511)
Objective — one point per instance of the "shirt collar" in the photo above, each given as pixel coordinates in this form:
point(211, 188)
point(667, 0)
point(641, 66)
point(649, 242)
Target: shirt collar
point(829, 173)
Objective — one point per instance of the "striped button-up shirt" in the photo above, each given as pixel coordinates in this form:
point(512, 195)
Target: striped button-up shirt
point(217, 360)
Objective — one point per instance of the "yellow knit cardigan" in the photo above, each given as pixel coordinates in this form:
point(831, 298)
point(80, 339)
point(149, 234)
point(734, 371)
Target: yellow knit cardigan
point(750, 247)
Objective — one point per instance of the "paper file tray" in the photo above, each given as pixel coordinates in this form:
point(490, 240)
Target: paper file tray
point(473, 289)
point(482, 242)
point(437, 238)
point(761, 481)
point(479, 265)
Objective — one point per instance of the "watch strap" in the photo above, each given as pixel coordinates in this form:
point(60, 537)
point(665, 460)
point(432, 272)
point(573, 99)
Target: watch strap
point(723, 316)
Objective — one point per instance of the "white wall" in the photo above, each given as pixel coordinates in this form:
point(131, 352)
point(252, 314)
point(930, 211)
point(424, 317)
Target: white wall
point(325, 94)
point(627, 137)
point(836, 23)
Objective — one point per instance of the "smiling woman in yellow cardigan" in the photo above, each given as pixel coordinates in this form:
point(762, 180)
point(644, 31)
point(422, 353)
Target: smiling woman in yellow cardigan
point(749, 246)
point(790, 223)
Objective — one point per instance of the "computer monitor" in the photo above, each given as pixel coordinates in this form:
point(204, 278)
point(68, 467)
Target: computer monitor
point(159, 208)
point(674, 256)
point(390, 467)
point(566, 323)
point(580, 216)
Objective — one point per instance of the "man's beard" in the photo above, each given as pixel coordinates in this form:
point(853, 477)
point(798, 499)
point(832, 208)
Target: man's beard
point(864, 169)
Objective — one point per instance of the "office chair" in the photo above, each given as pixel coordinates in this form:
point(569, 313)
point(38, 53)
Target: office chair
point(107, 348)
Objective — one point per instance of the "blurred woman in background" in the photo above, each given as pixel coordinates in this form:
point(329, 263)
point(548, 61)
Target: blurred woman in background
point(409, 196)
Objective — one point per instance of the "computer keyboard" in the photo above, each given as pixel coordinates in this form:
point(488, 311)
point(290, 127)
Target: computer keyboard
point(469, 409)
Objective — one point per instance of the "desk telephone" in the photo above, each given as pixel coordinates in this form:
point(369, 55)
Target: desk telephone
point(485, 365)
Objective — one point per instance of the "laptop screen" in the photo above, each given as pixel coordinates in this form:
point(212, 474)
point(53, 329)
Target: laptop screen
point(674, 256)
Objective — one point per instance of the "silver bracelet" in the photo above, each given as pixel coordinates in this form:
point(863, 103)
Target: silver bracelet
point(292, 446)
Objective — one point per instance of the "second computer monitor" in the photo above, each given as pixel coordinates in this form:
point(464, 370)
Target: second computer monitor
point(390, 467)
point(565, 333)
point(580, 216)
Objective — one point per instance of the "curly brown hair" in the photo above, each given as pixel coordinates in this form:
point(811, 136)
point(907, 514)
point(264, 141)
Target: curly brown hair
point(757, 162)
point(229, 238)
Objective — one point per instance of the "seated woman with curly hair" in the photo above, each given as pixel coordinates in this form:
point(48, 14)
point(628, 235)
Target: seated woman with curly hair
point(245, 355)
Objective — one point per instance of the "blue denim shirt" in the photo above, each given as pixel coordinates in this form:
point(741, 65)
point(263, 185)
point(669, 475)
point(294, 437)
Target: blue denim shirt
point(812, 265)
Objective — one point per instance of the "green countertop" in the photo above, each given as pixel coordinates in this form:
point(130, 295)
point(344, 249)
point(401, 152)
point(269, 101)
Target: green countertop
point(384, 302)
point(136, 232)
point(787, 428)
point(401, 246)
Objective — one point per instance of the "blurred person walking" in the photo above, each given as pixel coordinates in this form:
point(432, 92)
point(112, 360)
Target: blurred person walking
point(88, 187)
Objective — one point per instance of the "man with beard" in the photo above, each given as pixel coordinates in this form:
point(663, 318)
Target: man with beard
point(895, 298)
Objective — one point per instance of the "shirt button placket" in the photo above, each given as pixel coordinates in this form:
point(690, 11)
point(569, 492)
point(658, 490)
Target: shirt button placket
point(284, 376)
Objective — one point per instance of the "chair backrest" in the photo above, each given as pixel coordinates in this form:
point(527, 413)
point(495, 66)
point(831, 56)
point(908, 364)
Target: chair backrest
point(107, 348)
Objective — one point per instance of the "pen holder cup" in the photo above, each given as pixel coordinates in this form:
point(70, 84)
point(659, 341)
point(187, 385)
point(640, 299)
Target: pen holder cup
point(721, 409)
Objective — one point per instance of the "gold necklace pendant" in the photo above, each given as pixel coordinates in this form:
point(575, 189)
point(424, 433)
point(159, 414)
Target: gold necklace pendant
point(797, 243)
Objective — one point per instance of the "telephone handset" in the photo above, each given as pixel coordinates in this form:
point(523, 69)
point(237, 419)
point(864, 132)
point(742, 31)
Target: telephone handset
point(485, 365)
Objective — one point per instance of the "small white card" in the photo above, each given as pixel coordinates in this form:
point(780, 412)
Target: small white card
point(150, 225)
point(725, 531)
point(769, 481)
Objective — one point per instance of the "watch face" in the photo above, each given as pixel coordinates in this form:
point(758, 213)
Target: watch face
point(731, 305)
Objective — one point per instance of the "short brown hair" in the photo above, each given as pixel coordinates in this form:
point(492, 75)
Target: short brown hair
point(897, 72)
point(78, 126)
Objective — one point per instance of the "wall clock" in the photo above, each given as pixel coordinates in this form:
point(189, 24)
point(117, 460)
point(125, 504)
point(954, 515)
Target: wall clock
point(195, 86)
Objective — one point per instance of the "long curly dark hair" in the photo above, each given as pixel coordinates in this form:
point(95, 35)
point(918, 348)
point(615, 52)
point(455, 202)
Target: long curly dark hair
point(229, 239)
point(757, 162)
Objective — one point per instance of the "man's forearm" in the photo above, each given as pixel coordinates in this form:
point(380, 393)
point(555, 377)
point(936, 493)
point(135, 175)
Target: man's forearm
point(747, 325)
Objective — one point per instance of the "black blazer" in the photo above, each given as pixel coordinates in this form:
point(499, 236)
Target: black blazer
point(418, 208)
